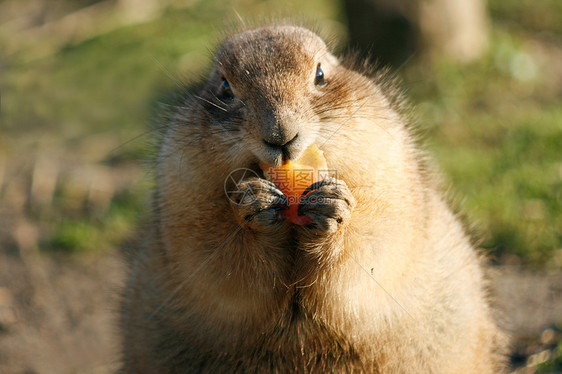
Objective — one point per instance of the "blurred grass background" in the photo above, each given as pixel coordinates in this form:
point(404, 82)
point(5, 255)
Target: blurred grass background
point(81, 82)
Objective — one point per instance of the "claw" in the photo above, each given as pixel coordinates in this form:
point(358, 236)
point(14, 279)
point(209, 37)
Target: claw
point(326, 204)
point(261, 204)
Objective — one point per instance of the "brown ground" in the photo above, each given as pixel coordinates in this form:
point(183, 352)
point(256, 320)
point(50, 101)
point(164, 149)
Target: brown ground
point(58, 313)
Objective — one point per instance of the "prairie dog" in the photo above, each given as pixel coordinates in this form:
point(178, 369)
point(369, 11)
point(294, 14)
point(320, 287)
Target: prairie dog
point(383, 280)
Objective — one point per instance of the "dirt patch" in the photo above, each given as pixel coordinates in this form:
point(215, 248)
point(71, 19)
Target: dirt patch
point(531, 306)
point(57, 314)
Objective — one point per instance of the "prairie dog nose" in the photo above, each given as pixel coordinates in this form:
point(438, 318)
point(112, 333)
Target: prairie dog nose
point(279, 141)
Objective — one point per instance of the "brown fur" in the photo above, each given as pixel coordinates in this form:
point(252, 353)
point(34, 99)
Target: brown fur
point(385, 279)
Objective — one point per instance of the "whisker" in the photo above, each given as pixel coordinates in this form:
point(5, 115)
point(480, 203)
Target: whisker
point(148, 132)
point(210, 102)
point(166, 71)
point(344, 122)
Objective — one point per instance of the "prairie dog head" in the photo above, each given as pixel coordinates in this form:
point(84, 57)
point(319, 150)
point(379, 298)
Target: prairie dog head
point(268, 84)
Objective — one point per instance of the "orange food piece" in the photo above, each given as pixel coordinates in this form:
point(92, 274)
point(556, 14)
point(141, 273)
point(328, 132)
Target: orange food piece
point(294, 177)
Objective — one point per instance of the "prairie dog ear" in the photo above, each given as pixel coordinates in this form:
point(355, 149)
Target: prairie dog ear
point(333, 60)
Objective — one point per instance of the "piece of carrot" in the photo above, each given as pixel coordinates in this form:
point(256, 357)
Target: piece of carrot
point(294, 177)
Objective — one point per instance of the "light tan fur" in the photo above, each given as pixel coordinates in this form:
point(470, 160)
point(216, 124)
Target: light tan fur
point(383, 281)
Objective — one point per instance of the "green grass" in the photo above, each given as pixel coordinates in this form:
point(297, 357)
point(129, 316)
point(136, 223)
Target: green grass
point(496, 131)
point(540, 16)
point(495, 126)
point(554, 364)
point(85, 230)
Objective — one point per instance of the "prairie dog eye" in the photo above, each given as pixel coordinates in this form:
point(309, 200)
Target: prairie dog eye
point(226, 91)
point(319, 78)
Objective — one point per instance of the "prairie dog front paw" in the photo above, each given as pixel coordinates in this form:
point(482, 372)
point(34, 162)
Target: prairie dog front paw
point(257, 204)
point(329, 205)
